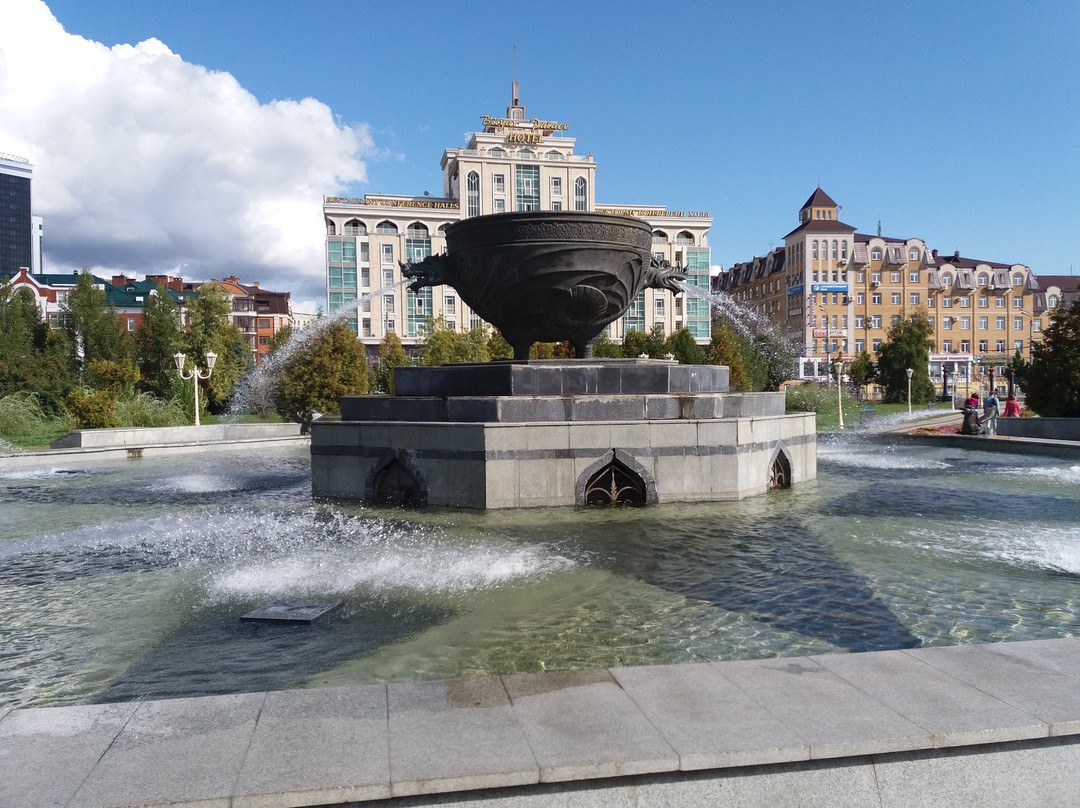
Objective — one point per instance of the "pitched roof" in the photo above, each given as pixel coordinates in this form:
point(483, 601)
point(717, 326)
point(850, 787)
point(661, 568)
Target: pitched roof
point(819, 199)
point(823, 226)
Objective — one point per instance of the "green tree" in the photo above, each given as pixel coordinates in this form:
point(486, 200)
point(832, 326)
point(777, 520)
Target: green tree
point(92, 324)
point(498, 347)
point(391, 355)
point(157, 338)
point(1051, 382)
point(907, 345)
point(443, 345)
point(604, 347)
point(684, 348)
point(33, 357)
point(333, 364)
point(862, 371)
point(209, 330)
point(724, 350)
point(653, 344)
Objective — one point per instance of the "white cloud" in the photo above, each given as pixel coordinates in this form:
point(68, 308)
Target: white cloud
point(145, 163)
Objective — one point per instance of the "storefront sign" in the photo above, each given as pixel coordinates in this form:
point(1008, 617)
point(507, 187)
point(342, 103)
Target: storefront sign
point(828, 287)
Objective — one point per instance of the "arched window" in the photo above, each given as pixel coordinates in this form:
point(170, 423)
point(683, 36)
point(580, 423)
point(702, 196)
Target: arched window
point(659, 235)
point(834, 250)
point(441, 231)
point(417, 230)
point(472, 194)
point(386, 227)
point(843, 250)
point(355, 227)
point(554, 155)
point(331, 228)
point(1018, 279)
point(913, 254)
point(526, 154)
point(984, 279)
point(1052, 301)
point(813, 249)
point(685, 237)
point(498, 151)
point(946, 279)
point(581, 194)
point(875, 254)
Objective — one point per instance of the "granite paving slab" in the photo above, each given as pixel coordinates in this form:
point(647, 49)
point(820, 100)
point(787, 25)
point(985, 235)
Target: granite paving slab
point(1022, 681)
point(46, 753)
point(312, 747)
point(581, 724)
point(955, 713)
point(831, 715)
point(186, 751)
point(456, 735)
point(706, 719)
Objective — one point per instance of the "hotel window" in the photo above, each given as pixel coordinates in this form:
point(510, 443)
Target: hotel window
point(946, 302)
point(834, 250)
point(1018, 302)
point(860, 277)
point(450, 304)
point(965, 323)
point(365, 278)
point(894, 321)
point(658, 304)
point(1036, 325)
point(999, 323)
point(391, 326)
point(983, 346)
point(264, 322)
point(875, 298)
point(556, 186)
point(386, 227)
point(472, 194)
point(965, 346)
point(984, 279)
point(1018, 323)
point(556, 205)
point(333, 252)
point(875, 277)
point(946, 279)
point(387, 254)
point(1052, 301)
point(843, 250)
point(527, 188)
point(497, 151)
point(946, 323)
point(860, 346)
point(914, 298)
point(365, 256)
point(366, 323)
point(581, 195)
point(946, 345)
point(499, 205)
point(860, 298)
point(498, 183)
point(331, 228)
point(1018, 279)
point(813, 249)
point(984, 323)
point(875, 321)
point(999, 301)
point(877, 346)
point(894, 276)
point(913, 254)
point(348, 252)
point(815, 275)
point(930, 301)
point(999, 346)
point(913, 277)
point(875, 254)
point(932, 321)
point(895, 298)
point(965, 302)
point(355, 227)
point(984, 301)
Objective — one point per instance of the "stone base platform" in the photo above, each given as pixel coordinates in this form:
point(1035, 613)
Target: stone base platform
point(556, 433)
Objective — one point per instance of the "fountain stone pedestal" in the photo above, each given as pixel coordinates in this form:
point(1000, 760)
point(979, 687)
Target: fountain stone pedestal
point(523, 433)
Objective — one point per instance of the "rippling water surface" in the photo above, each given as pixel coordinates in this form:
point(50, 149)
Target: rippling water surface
point(127, 579)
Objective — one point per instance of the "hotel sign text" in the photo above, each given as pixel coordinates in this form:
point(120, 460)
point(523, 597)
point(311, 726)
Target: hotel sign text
point(678, 214)
point(392, 203)
point(530, 131)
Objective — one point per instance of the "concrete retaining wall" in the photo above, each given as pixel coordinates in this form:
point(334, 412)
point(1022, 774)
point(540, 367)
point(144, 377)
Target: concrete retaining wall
point(1042, 428)
point(158, 436)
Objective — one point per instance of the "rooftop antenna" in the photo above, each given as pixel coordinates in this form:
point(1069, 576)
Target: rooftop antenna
point(879, 227)
point(516, 92)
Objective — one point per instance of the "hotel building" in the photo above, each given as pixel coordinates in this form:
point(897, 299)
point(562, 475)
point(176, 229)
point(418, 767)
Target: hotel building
point(835, 292)
point(20, 230)
point(514, 163)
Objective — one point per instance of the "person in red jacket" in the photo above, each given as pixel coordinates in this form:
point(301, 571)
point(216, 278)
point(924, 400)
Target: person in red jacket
point(1012, 409)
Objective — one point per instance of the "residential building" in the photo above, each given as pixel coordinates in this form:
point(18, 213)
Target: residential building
point(257, 312)
point(835, 293)
point(514, 163)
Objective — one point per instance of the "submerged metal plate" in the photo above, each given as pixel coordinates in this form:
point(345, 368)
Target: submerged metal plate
point(292, 611)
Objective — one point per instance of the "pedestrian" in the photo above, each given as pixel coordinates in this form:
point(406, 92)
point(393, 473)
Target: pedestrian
point(990, 412)
point(1012, 409)
point(971, 424)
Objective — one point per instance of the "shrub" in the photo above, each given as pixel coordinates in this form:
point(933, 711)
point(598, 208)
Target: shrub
point(148, 410)
point(810, 397)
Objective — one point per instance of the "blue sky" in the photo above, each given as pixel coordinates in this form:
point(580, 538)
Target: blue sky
point(955, 122)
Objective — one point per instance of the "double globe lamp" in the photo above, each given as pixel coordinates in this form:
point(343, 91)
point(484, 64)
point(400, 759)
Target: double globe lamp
point(195, 374)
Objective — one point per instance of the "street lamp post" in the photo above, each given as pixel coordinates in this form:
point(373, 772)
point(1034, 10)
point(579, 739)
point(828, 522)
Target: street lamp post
point(839, 379)
point(195, 374)
point(909, 373)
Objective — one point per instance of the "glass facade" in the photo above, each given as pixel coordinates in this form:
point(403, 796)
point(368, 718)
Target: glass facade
point(527, 188)
point(16, 226)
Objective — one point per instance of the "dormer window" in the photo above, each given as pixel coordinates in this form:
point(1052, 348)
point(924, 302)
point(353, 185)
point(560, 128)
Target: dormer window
point(875, 254)
point(946, 279)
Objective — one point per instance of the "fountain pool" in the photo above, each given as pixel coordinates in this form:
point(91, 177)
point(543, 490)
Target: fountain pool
point(125, 580)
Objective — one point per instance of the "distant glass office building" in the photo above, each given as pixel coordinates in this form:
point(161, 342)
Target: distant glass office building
point(17, 225)
point(515, 163)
